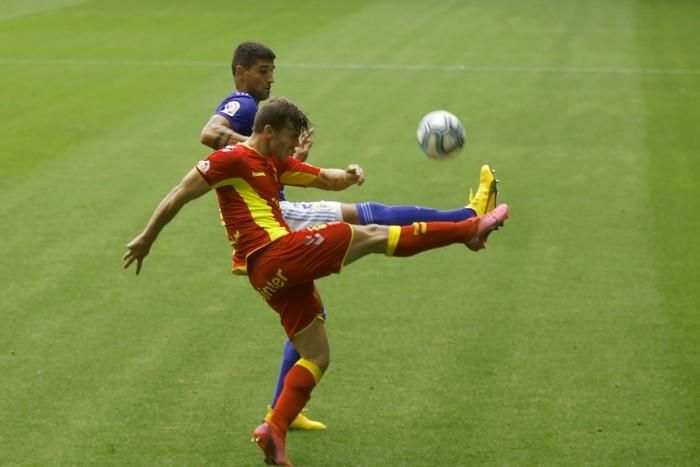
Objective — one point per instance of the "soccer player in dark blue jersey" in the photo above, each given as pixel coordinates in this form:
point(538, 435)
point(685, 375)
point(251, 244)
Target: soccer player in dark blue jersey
point(253, 66)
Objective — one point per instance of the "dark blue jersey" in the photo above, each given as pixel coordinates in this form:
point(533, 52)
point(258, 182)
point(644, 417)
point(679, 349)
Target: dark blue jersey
point(239, 108)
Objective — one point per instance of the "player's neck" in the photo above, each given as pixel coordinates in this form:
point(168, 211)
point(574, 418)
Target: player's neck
point(245, 90)
point(259, 144)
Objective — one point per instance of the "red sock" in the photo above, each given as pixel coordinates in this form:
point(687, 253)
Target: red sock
point(421, 236)
point(298, 384)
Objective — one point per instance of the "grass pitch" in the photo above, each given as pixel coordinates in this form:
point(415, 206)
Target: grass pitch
point(572, 340)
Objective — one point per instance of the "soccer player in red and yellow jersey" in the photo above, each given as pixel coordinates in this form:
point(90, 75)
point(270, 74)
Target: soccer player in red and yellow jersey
point(281, 264)
point(252, 68)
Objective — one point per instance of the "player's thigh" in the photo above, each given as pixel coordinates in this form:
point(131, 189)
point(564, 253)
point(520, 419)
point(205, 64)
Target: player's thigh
point(283, 273)
point(304, 215)
point(299, 308)
point(300, 257)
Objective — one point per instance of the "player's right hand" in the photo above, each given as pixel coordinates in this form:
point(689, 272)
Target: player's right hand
point(136, 250)
point(356, 174)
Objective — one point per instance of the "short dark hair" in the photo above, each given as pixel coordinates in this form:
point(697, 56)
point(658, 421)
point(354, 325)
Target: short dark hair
point(248, 53)
point(280, 113)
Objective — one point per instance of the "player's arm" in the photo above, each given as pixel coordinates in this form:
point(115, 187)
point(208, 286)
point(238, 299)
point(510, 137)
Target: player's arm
point(338, 179)
point(217, 133)
point(191, 187)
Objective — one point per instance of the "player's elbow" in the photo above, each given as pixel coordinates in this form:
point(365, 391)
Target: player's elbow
point(207, 138)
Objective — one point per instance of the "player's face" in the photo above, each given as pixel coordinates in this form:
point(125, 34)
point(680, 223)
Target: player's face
point(259, 79)
point(283, 142)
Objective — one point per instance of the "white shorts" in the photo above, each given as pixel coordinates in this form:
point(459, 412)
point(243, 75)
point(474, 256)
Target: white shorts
point(302, 215)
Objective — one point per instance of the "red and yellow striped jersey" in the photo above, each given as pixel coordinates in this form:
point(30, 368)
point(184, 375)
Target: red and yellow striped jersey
point(247, 187)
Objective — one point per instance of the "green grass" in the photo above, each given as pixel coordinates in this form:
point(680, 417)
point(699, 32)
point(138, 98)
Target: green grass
point(572, 340)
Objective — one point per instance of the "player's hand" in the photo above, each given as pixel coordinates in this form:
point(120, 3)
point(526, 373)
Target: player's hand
point(301, 152)
point(356, 174)
point(136, 250)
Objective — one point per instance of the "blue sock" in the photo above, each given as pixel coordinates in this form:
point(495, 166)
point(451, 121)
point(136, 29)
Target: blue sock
point(377, 213)
point(289, 358)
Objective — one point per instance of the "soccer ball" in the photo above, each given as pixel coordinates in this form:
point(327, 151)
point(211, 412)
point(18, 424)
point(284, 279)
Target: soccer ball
point(440, 135)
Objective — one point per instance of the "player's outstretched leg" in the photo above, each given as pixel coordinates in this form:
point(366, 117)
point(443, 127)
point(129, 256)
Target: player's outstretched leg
point(485, 198)
point(422, 236)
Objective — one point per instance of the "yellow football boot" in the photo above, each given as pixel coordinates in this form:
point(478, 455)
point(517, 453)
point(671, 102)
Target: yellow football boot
point(485, 198)
point(302, 422)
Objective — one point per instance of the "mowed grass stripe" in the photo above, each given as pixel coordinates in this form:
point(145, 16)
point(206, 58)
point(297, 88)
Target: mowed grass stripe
point(672, 112)
point(587, 248)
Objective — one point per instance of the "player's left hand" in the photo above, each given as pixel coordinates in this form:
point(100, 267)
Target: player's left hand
point(356, 173)
point(301, 152)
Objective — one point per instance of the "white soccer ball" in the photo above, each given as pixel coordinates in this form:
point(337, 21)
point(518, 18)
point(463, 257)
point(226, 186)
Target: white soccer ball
point(440, 135)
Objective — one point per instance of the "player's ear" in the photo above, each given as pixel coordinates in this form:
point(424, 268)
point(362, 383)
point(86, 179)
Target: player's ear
point(239, 71)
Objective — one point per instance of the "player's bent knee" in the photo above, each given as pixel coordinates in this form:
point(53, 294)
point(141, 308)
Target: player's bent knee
point(374, 237)
point(312, 344)
point(323, 363)
point(322, 360)
point(350, 213)
point(371, 232)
